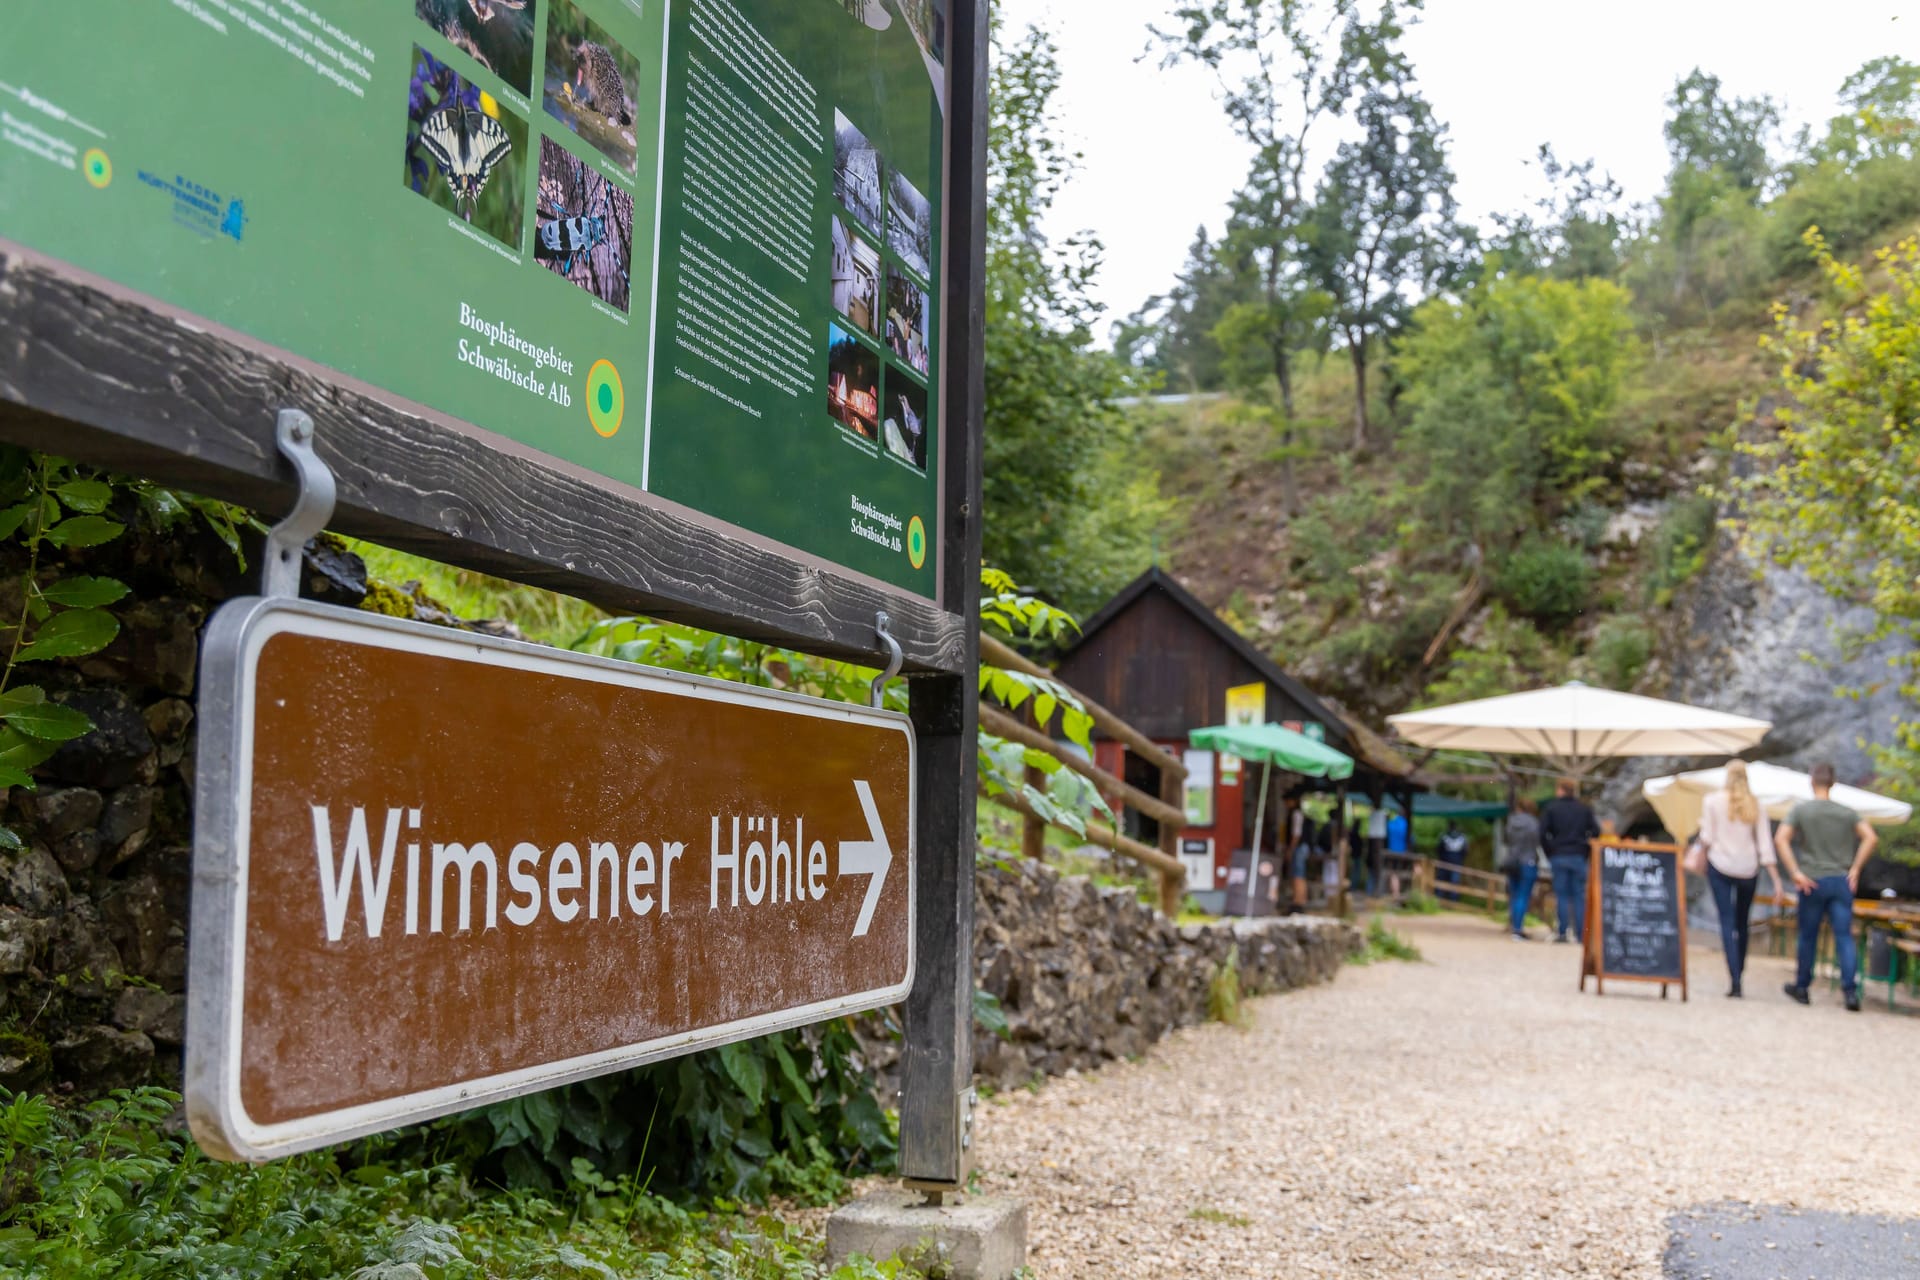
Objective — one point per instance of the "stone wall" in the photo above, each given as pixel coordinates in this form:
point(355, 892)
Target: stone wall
point(1087, 975)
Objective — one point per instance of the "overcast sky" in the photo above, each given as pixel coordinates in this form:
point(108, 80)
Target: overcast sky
point(1505, 75)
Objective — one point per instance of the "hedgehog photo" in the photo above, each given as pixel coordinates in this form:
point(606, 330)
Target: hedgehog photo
point(598, 82)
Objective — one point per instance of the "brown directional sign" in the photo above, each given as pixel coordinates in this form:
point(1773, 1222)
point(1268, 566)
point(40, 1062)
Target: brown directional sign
point(434, 870)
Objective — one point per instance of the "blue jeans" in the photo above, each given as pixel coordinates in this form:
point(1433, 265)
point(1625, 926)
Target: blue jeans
point(1520, 883)
point(1733, 902)
point(1831, 900)
point(1570, 893)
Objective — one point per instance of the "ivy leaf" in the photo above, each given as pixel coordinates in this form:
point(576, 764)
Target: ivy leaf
point(26, 695)
point(791, 1070)
point(1038, 759)
point(85, 495)
point(17, 751)
point(13, 517)
point(746, 1070)
point(1078, 726)
point(84, 592)
point(542, 1114)
point(49, 721)
point(73, 634)
point(988, 1015)
point(1043, 707)
point(84, 531)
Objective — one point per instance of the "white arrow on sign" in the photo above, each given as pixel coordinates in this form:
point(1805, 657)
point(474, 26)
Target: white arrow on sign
point(870, 857)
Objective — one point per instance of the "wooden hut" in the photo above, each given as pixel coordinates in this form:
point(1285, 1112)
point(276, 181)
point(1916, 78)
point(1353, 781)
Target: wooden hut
point(1167, 664)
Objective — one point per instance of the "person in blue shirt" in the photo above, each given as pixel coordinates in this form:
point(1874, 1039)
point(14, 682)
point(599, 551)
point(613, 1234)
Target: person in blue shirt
point(1397, 834)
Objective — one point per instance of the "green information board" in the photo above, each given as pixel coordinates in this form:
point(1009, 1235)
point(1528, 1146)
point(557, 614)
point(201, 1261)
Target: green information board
point(687, 247)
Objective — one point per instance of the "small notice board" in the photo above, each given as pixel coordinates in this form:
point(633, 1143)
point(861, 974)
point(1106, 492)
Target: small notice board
point(1636, 915)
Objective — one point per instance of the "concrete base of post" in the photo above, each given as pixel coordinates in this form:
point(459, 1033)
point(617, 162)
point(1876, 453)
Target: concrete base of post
point(967, 1238)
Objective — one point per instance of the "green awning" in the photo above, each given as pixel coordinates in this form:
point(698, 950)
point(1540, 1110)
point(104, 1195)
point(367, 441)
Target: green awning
point(1272, 744)
point(1428, 805)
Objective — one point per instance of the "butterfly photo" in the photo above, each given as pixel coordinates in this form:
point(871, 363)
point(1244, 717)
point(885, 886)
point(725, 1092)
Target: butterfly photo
point(465, 152)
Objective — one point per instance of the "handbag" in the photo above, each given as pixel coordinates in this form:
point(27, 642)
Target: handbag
point(1696, 858)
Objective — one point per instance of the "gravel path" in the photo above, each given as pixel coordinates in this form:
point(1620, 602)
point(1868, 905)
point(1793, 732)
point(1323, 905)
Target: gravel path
point(1472, 1115)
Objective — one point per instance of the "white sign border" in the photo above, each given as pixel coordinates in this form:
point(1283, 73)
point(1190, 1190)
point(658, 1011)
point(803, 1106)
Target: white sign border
point(216, 946)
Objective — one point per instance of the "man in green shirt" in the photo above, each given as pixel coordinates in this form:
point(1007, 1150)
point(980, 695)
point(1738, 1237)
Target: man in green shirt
point(1823, 844)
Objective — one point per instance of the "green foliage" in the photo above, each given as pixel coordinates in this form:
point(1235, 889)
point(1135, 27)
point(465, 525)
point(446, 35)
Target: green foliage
point(789, 1113)
point(1883, 117)
point(1620, 650)
point(1220, 1217)
point(1545, 580)
point(1068, 510)
point(1503, 654)
point(1382, 943)
point(1383, 227)
point(1420, 904)
point(541, 616)
point(1680, 546)
point(1225, 1003)
point(1514, 389)
point(1710, 132)
point(110, 1192)
point(1832, 494)
point(51, 506)
point(1850, 204)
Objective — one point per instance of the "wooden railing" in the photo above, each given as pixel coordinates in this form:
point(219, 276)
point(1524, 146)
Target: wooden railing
point(1164, 809)
point(1472, 890)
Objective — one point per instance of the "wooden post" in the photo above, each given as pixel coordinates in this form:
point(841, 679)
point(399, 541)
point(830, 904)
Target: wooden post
point(1033, 832)
point(1173, 885)
point(1340, 844)
point(936, 1068)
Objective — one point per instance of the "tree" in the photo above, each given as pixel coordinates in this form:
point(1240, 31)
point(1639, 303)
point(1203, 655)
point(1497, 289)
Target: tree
point(1280, 77)
point(1513, 389)
point(1706, 247)
point(1053, 430)
point(1172, 335)
point(1578, 230)
point(1708, 132)
point(1884, 120)
point(1834, 493)
point(1383, 226)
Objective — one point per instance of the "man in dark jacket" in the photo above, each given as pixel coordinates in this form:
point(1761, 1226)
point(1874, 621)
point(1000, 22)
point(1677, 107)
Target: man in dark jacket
point(1566, 825)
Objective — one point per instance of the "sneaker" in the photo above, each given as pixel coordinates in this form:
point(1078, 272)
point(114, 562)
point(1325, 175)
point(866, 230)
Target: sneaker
point(1797, 994)
point(1523, 936)
point(1733, 993)
point(1853, 1002)
point(1561, 939)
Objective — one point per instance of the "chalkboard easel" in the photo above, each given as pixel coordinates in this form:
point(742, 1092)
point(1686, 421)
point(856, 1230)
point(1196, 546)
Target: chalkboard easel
point(1636, 915)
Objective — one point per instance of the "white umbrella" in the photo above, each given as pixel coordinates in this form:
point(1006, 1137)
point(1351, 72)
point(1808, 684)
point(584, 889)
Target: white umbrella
point(1677, 798)
point(1574, 725)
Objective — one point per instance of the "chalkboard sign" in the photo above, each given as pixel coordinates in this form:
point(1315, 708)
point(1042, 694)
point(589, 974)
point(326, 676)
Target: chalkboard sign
point(1636, 915)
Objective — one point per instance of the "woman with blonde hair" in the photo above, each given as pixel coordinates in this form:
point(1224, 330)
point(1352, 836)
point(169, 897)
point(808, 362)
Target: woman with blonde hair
point(1739, 841)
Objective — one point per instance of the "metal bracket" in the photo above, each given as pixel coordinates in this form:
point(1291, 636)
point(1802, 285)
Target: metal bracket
point(895, 659)
point(312, 505)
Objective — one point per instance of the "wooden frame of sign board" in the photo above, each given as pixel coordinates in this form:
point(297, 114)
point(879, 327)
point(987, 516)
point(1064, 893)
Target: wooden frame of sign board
point(96, 372)
point(1592, 950)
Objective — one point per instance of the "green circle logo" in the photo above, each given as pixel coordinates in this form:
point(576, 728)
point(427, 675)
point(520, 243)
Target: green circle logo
point(916, 542)
point(606, 399)
point(97, 167)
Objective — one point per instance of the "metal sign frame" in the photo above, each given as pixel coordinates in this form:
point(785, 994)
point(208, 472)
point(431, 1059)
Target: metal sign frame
point(223, 784)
